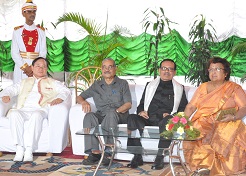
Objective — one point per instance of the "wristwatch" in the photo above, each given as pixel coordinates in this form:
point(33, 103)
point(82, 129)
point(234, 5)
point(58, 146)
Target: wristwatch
point(117, 111)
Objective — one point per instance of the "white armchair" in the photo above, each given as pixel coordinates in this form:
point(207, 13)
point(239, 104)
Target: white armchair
point(54, 136)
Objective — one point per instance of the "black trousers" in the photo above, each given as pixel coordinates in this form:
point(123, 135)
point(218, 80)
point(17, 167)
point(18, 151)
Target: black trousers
point(135, 122)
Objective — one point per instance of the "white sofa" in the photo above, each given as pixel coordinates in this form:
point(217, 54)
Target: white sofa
point(76, 123)
point(54, 136)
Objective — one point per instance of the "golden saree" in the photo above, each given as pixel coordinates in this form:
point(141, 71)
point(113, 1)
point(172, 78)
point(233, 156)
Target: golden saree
point(222, 150)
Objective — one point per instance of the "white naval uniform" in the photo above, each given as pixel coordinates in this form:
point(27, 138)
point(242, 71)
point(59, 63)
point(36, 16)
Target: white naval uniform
point(18, 45)
point(31, 111)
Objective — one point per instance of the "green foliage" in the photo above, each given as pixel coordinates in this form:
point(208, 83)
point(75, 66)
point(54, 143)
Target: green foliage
point(158, 26)
point(4, 51)
point(180, 124)
point(99, 47)
point(239, 48)
point(202, 35)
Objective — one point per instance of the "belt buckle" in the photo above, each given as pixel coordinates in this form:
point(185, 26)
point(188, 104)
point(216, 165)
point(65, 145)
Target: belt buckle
point(28, 55)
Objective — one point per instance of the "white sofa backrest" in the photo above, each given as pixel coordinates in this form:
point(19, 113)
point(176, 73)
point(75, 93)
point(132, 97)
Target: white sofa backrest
point(137, 91)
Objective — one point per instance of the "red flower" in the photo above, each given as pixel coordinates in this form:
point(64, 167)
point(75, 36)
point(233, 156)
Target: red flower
point(187, 127)
point(170, 127)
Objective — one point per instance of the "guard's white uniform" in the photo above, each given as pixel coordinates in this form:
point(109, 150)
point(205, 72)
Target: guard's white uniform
point(31, 112)
point(18, 46)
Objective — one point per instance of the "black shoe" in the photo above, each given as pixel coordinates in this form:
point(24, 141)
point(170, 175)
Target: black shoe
point(158, 163)
point(137, 160)
point(92, 159)
point(106, 159)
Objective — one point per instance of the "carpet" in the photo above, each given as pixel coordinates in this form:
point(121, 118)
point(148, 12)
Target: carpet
point(61, 165)
point(67, 164)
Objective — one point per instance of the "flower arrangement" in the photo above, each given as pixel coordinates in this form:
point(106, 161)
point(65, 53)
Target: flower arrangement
point(180, 127)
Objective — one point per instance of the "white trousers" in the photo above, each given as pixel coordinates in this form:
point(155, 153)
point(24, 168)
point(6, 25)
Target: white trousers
point(32, 120)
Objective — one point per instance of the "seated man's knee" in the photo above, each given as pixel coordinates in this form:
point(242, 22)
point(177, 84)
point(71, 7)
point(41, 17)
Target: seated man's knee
point(89, 115)
point(111, 113)
point(132, 118)
point(90, 120)
point(13, 113)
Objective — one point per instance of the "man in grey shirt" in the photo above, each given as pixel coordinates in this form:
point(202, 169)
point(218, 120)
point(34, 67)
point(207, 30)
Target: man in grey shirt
point(112, 98)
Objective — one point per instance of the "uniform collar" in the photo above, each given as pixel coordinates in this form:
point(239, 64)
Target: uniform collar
point(32, 27)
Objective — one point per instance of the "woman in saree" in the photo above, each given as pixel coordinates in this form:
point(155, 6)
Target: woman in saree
point(222, 148)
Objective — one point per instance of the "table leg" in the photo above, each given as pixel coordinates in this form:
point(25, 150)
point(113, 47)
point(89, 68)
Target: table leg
point(113, 152)
point(102, 155)
point(171, 157)
point(180, 159)
point(177, 156)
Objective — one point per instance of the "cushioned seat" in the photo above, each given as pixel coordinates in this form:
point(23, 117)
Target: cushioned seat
point(54, 135)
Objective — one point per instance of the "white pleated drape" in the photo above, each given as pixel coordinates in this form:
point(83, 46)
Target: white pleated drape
point(229, 17)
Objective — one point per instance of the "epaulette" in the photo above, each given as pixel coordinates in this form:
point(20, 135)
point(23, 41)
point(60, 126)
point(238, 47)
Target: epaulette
point(18, 27)
point(41, 27)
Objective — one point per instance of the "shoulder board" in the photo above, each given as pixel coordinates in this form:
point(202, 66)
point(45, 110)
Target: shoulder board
point(18, 27)
point(40, 27)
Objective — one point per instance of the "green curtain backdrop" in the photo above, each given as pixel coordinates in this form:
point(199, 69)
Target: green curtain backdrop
point(65, 55)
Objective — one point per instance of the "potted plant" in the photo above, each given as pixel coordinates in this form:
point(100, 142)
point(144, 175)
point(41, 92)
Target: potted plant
point(159, 25)
point(202, 36)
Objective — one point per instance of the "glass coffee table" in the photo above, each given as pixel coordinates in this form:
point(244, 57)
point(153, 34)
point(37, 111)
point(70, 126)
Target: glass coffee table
point(152, 133)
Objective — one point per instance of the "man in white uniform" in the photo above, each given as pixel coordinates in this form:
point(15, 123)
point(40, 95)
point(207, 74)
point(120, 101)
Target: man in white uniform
point(35, 95)
point(28, 43)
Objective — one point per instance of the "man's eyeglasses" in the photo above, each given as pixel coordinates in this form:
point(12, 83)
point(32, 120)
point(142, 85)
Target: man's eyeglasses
point(215, 69)
point(110, 67)
point(167, 69)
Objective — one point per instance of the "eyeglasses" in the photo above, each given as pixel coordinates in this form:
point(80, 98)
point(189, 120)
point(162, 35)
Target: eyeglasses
point(215, 69)
point(167, 69)
point(110, 67)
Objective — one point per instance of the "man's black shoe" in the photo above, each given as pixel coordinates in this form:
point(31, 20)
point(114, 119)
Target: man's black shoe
point(92, 159)
point(158, 163)
point(137, 160)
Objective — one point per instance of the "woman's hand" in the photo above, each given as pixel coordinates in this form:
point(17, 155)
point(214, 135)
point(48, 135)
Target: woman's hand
point(228, 118)
point(144, 114)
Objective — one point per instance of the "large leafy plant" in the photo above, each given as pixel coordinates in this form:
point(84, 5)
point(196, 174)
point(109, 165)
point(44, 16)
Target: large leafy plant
point(202, 36)
point(99, 46)
point(159, 25)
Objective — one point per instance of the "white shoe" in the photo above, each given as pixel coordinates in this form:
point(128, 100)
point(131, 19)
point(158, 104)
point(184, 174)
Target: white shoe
point(28, 157)
point(19, 155)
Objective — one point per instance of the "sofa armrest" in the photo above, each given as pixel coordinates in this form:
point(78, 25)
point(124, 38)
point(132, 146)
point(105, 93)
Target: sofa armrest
point(76, 118)
point(5, 107)
point(58, 125)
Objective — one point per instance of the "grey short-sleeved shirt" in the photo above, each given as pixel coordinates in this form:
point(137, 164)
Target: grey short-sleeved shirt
point(110, 96)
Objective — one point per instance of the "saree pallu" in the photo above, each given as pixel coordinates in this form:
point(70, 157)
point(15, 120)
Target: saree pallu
point(222, 150)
